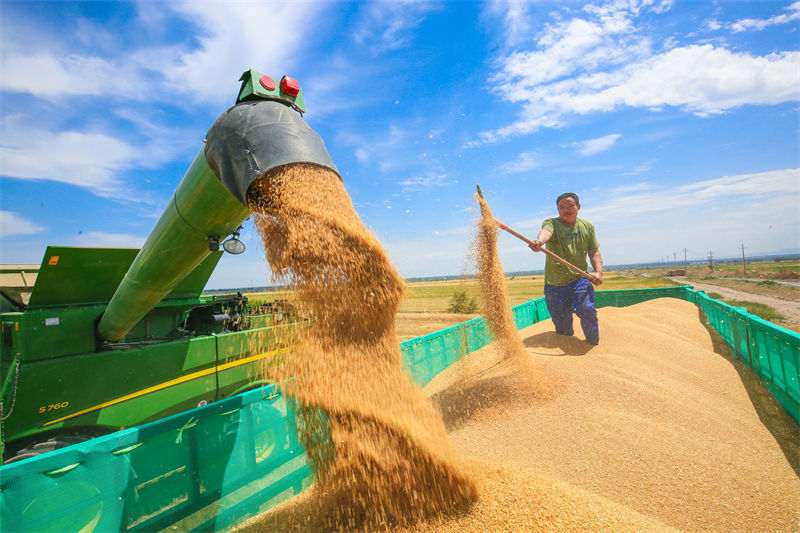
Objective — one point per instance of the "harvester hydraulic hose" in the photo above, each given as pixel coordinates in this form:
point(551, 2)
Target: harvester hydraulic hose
point(15, 370)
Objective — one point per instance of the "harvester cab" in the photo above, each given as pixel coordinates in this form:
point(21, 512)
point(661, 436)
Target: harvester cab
point(97, 339)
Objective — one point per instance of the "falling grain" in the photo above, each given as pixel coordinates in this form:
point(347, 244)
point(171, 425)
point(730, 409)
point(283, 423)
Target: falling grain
point(496, 308)
point(495, 303)
point(379, 450)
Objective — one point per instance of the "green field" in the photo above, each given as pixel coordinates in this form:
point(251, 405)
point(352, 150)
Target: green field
point(434, 296)
point(782, 269)
point(425, 307)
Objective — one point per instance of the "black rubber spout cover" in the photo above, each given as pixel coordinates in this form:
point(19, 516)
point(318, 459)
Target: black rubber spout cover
point(252, 138)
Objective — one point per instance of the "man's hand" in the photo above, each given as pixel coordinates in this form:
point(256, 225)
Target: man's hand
point(536, 245)
point(597, 265)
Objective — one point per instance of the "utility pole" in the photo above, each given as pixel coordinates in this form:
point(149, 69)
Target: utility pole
point(685, 263)
point(744, 263)
point(674, 258)
point(710, 261)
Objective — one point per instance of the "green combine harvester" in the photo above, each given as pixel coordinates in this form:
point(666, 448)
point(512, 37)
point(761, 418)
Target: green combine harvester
point(110, 338)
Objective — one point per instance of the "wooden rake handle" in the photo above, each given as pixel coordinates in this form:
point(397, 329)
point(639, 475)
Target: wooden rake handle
point(545, 250)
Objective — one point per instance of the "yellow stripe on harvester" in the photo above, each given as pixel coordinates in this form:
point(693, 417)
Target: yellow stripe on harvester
point(165, 385)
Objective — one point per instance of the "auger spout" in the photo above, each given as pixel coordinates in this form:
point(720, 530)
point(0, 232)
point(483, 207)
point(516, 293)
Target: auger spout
point(261, 132)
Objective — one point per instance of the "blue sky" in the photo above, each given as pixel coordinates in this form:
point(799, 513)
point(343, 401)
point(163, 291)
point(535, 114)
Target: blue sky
point(675, 121)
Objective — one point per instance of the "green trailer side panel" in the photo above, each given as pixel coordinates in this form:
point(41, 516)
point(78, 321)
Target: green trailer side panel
point(70, 275)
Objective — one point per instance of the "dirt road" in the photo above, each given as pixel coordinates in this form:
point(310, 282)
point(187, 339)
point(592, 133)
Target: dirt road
point(790, 308)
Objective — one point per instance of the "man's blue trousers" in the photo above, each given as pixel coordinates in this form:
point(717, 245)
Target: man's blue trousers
point(577, 296)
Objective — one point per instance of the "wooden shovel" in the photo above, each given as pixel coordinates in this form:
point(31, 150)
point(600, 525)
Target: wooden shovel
point(545, 250)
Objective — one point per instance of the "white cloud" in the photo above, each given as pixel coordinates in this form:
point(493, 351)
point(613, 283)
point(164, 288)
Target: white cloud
point(164, 143)
point(702, 79)
point(602, 62)
point(569, 47)
point(12, 224)
point(760, 24)
point(639, 169)
point(234, 37)
point(93, 160)
point(418, 183)
point(645, 221)
point(102, 239)
point(781, 183)
point(720, 227)
point(68, 75)
point(362, 155)
point(388, 150)
point(595, 146)
point(626, 189)
point(526, 161)
point(516, 18)
point(231, 38)
point(773, 182)
point(387, 26)
point(89, 160)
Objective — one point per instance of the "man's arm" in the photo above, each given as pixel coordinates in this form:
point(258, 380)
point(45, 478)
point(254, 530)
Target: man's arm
point(597, 264)
point(540, 241)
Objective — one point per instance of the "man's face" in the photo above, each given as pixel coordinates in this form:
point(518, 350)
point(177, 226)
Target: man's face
point(568, 210)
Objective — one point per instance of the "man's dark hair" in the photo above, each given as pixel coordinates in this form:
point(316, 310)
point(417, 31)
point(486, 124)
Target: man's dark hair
point(568, 195)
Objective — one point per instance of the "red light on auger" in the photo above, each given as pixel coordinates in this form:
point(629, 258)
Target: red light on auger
point(268, 83)
point(290, 86)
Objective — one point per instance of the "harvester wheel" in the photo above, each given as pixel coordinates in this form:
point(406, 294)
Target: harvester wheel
point(47, 446)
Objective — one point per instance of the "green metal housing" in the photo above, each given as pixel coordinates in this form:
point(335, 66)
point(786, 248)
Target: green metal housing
point(59, 380)
point(253, 89)
point(201, 210)
point(109, 338)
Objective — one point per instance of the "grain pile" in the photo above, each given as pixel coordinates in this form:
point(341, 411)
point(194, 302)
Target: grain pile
point(379, 450)
point(653, 430)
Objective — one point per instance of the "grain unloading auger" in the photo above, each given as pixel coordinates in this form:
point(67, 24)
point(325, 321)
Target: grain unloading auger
point(260, 133)
point(112, 337)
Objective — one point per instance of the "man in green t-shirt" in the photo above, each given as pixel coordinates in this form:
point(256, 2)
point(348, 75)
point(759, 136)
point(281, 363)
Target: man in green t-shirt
point(573, 239)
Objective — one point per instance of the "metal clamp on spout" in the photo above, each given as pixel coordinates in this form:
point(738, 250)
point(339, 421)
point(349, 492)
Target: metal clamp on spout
point(254, 137)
